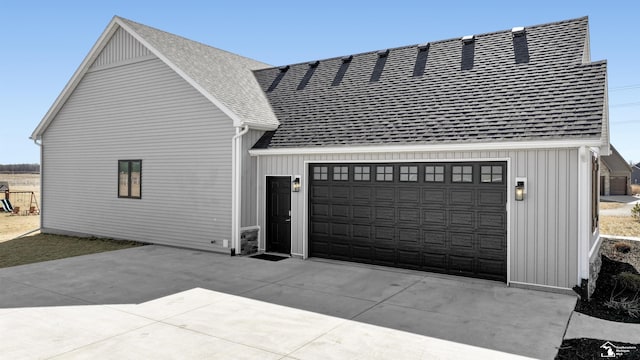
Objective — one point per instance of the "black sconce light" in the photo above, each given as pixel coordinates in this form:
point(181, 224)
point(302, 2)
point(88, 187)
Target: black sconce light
point(520, 189)
point(296, 184)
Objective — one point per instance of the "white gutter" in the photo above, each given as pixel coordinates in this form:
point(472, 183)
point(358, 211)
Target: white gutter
point(467, 146)
point(236, 194)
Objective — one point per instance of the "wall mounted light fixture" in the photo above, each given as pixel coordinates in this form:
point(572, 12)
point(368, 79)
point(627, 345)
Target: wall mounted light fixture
point(520, 188)
point(295, 186)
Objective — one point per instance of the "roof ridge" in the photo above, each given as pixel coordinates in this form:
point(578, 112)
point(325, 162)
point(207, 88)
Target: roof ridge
point(432, 42)
point(190, 40)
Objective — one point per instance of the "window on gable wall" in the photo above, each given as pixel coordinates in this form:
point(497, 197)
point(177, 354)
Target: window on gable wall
point(594, 193)
point(130, 179)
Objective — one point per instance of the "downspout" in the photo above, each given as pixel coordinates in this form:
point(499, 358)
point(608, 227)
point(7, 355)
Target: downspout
point(39, 144)
point(584, 219)
point(236, 195)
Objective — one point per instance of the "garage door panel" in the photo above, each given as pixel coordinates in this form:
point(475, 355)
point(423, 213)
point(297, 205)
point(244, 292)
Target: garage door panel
point(433, 197)
point(489, 268)
point(340, 193)
point(361, 232)
point(319, 209)
point(461, 197)
point(340, 212)
point(409, 259)
point(461, 265)
point(436, 262)
point(383, 194)
point(386, 256)
point(431, 224)
point(385, 214)
point(409, 237)
point(409, 215)
point(437, 238)
point(492, 220)
point(362, 253)
point(409, 195)
point(434, 218)
point(362, 213)
point(384, 233)
point(491, 242)
point(462, 240)
point(462, 219)
point(340, 230)
point(492, 198)
point(362, 194)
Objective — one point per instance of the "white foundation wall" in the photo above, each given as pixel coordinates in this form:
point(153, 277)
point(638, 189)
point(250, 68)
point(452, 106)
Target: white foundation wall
point(543, 229)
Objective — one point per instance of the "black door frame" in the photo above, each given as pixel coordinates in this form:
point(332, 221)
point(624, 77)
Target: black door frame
point(268, 222)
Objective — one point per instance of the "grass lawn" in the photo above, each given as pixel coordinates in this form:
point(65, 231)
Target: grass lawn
point(45, 247)
point(619, 225)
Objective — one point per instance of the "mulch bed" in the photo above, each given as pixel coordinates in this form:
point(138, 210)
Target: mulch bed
point(597, 348)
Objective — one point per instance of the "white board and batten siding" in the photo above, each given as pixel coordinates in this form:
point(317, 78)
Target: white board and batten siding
point(543, 229)
point(128, 107)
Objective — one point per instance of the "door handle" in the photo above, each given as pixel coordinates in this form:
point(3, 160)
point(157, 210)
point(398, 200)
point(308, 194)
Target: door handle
point(288, 220)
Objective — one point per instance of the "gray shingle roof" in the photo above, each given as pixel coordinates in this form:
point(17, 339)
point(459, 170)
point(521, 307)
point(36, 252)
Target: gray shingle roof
point(553, 96)
point(224, 75)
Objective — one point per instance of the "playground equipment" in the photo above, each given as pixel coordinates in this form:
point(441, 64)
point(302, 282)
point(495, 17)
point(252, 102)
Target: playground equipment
point(22, 202)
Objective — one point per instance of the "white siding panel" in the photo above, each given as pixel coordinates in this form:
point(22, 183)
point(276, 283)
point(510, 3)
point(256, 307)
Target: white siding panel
point(543, 228)
point(140, 111)
point(121, 47)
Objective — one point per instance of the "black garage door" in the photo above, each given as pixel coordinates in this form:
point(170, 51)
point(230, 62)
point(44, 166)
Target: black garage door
point(440, 217)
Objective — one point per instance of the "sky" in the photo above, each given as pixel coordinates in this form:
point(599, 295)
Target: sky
point(43, 42)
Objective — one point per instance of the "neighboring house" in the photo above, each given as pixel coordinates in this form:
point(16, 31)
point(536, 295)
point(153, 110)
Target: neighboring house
point(474, 156)
point(615, 174)
point(635, 174)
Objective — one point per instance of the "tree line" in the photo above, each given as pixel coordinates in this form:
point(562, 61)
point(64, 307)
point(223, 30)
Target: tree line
point(20, 168)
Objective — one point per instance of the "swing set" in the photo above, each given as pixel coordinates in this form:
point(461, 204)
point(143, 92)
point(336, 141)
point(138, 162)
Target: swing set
point(14, 201)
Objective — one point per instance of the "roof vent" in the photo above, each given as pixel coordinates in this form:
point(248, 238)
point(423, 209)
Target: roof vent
point(276, 81)
point(343, 69)
point(520, 45)
point(383, 53)
point(468, 38)
point(468, 50)
point(377, 70)
point(307, 76)
point(421, 59)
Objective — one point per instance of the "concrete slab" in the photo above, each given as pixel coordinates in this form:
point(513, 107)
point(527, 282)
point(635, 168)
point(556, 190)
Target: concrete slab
point(311, 300)
point(585, 326)
point(359, 282)
point(475, 312)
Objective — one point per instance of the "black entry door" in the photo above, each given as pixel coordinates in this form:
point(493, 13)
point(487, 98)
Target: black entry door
point(279, 214)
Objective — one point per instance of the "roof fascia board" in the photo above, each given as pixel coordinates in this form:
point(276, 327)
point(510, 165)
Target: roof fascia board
point(260, 127)
point(510, 145)
point(237, 121)
point(75, 79)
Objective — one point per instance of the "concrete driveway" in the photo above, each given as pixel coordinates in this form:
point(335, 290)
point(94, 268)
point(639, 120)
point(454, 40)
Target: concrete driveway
point(483, 314)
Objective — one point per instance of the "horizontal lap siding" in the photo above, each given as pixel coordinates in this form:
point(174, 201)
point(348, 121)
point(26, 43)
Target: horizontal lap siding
point(140, 111)
point(543, 228)
point(249, 179)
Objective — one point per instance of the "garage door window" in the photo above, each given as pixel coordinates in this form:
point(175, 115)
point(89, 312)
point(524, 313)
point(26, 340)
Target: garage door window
point(461, 174)
point(491, 174)
point(340, 173)
point(361, 173)
point(320, 173)
point(384, 173)
point(409, 173)
point(434, 173)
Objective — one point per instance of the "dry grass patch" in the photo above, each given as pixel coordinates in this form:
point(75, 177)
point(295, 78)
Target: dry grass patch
point(620, 226)
point(610, 205)
point(12, 226)
point(44, 247)
point(635, 188)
